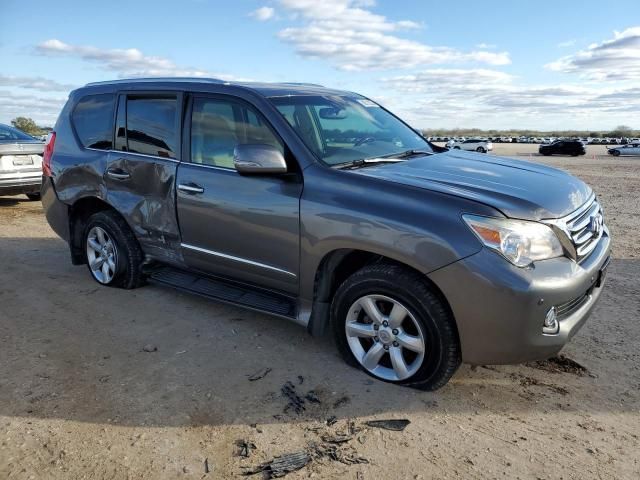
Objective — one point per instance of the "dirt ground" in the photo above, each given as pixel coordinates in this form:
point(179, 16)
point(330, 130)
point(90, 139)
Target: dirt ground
point(80, 398)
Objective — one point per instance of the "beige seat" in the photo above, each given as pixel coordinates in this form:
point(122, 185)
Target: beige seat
point(213, 139)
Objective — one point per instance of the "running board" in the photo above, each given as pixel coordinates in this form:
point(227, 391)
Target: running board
point(226, 291)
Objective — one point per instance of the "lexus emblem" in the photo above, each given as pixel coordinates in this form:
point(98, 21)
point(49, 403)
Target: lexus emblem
point(595, 224)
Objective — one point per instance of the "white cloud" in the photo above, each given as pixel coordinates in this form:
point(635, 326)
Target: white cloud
point(34, 83)
point(129, 62)
point(263, 14)
point(448, 98)
point(43, 110)
point(485, 46)
point(354, 38)
point(617, 59)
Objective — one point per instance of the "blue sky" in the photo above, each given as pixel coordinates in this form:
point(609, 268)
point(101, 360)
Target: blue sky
point(491, 64)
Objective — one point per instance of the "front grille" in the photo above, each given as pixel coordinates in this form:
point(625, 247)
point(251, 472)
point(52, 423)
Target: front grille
point(585, 227)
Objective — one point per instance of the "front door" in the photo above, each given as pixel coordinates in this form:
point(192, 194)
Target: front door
point(246, 227)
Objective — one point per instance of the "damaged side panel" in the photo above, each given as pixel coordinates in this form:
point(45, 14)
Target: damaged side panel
point(146, 198)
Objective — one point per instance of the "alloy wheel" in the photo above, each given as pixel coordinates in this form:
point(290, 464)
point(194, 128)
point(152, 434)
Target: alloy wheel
point(385, 337)
point(101, 255)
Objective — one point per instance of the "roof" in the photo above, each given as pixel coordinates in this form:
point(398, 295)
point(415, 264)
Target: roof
point(263, 88)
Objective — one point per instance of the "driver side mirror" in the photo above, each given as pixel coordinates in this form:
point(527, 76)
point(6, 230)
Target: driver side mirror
point(256, 159)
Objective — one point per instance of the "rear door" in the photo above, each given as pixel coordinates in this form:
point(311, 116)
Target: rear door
point(140, 172)
point(246, 227)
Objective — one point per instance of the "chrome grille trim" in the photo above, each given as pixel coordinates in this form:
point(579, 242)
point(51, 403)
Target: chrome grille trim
point(577, 228)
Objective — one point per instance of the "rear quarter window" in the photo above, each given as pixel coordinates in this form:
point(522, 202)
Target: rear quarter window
point(93, 121)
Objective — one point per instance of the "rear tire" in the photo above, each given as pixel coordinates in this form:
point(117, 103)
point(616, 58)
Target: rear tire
point(112, 253)
point(616, 153)
point(417, 347)
point(34, 197)
point(456, 148)
point(481, 150)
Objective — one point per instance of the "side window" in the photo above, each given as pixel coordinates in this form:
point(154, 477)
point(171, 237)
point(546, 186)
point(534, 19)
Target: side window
point(93, 120)
point(152, 126)
point(217, 126)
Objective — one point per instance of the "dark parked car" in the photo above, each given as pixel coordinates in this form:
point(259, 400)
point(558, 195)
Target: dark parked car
point(20, 163)
point(322, 207)
point(563, 147)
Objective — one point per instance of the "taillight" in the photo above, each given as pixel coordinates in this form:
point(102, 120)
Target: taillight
point(48, 153)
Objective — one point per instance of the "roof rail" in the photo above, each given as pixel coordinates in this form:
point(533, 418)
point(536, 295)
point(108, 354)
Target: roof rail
point(157, 79)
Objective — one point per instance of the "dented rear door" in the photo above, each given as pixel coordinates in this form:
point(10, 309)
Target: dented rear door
point(140, 172)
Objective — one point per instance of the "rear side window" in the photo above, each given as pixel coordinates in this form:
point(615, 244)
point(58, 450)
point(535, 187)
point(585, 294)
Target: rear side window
point(152, 126)
point(93, 121)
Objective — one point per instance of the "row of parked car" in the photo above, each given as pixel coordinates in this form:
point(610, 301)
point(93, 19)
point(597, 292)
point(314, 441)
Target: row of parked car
point(541, 140)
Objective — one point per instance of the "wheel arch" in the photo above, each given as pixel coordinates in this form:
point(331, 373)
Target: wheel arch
point(336, 266)
point(79, 213)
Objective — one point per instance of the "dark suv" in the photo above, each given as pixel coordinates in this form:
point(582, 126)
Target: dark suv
point(322, 207)
point(563, 147)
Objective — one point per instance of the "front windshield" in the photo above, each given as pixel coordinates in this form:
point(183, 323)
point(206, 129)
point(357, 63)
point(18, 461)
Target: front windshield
point(341, 129)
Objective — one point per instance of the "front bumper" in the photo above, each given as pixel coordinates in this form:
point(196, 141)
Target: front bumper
point(500, 309)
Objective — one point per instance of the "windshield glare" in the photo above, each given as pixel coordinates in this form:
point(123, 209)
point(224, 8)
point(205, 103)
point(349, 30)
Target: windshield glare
point(341, 129)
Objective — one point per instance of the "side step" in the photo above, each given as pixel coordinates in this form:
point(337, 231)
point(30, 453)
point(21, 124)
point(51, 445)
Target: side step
point(226, 291)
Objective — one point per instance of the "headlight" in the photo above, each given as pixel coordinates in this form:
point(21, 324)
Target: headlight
point(518, 241)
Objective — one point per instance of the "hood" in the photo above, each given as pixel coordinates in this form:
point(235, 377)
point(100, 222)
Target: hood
point(519, 189)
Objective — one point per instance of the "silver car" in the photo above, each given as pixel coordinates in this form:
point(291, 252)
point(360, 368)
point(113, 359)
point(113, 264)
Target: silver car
point(630, 149)
point(20, 163)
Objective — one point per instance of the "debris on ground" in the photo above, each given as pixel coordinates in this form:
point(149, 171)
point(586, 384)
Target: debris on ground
point(295, 401)
point(245, 447)
point(206, 466)
point(150, 348)
point(395, 425)
point(281, 465)
point(341, 401)
point(312, 397)
point(259, 374)
point(560, 364)
point(338, 453)
point(336, 438)
point(331, 420)
point(300, 379)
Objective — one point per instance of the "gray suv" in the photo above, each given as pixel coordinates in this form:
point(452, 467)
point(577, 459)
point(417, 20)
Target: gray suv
point(322, 207)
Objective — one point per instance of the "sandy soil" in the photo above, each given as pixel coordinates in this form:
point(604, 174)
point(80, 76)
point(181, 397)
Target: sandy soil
point(80, 398)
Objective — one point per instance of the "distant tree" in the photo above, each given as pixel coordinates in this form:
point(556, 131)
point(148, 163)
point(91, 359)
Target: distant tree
point(27, 125)
point(621, 131)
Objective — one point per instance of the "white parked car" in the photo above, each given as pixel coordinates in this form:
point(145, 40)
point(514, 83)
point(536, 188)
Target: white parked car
point(473, 144)
point(629, 149)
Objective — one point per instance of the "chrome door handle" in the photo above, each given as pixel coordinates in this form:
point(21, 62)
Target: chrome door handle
point(190, 188)
point(118, 174)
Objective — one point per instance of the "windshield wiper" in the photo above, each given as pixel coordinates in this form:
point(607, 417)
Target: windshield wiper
point(390, 158)
point(408, 153)
point(363, 162)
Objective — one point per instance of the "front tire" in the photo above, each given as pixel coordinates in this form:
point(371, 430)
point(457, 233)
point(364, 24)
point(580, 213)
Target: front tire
point(481, 150)
point(387, 321)
point(112, 252)
point(34, 197)
point(615, 153)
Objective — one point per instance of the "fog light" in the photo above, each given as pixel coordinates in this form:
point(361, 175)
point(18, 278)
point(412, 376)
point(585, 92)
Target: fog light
point(551, 325)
